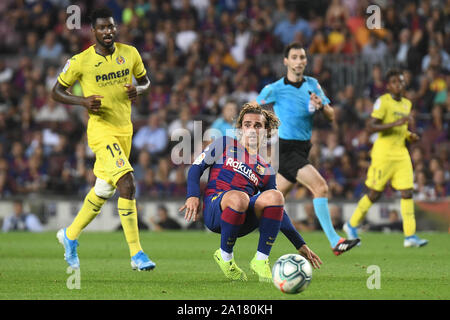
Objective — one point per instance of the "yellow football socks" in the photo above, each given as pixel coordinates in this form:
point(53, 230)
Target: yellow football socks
point(360, 212)
point(90, 209)
point(128, 218)
point(409, 220)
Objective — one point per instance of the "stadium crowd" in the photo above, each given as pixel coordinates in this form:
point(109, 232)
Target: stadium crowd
point(204, 59)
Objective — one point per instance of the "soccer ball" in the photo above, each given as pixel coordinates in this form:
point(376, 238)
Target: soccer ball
point(291, 273)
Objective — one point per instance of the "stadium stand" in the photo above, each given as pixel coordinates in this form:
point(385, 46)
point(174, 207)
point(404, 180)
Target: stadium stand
point(200, 54)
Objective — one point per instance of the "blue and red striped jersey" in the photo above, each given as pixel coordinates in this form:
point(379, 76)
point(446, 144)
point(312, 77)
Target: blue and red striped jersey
point(232, 167)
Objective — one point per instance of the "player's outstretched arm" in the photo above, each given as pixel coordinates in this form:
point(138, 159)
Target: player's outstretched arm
point(288, 229)
point(60, 94)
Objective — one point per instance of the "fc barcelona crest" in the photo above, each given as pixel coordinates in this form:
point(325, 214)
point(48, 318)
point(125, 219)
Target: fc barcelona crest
point(260, 169)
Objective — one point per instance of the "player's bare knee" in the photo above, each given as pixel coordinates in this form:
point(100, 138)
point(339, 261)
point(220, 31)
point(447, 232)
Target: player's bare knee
point(407, 194)
point(321, 190)
point(127, 186)
point(236, 200)
point(272, 198)
point(374, 196)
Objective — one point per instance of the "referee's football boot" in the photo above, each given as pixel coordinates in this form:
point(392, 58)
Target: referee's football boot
point(414, 241)
point(229, 268)
point(141, 262)
point(345, 245)
point(70, 248)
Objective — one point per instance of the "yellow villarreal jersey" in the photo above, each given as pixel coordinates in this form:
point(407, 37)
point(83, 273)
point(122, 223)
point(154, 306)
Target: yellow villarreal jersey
point(106, 76)
point(390, 144)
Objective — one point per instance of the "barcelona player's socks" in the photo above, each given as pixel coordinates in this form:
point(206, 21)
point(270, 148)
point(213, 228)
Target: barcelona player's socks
point(323, 214)
point(230, 223)
point(269, 225)
point(128, 218)
point(90, 209)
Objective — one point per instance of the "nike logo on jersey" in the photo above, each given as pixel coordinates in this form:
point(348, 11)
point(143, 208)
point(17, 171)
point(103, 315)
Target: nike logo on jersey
point(96, 65)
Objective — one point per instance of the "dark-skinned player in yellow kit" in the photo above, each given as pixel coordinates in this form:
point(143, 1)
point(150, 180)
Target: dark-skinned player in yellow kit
point(105, 71)
point(390, 159)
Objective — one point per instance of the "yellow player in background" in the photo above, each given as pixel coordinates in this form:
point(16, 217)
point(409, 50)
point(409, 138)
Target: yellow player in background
point(390, 159)
point(105, 71)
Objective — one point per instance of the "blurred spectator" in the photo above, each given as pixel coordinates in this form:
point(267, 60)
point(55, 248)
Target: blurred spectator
point(225, 123)
point(230, 51)
point(394, 224)
point(321, 73)
point(183, 122)
point(31, 46)
point(336, 216)
point(7, 185)
point(146, 187)
point(403, 47)
point(52, 111)
point(287, 29)
point(143, 164)
point(336, 37)
point(332, 148)
point(310, 223)
point(162, 221)
point(336, 11)
point(279, 13)
point(436, 57)
point(151, 137)
point(186, 34)
point(21, 221)
point(422, 191)
point(319, 43)
point(375, 50)
point(6, 73)
point(441, 188)
point(376, 87)
point(242, 39)
point(51, 49)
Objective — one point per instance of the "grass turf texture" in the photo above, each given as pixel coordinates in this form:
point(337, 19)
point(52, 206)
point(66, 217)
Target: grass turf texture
point(32, 267)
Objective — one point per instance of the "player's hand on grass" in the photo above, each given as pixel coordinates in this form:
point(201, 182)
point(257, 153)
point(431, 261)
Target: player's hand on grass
point(131, 92)
point(93, 103)
point(311, 256)
point(191, 205)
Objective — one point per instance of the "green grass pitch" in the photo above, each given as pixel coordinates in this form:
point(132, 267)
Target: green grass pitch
point(32, 267)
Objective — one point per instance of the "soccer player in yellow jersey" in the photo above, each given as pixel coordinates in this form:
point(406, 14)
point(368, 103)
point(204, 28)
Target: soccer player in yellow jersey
point(390, 159)
point(105, 72)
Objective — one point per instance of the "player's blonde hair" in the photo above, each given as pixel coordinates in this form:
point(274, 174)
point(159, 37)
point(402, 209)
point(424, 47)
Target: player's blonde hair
point(272, 121)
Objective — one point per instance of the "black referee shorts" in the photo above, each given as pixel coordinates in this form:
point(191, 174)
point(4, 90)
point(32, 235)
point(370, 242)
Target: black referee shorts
point(293, 156)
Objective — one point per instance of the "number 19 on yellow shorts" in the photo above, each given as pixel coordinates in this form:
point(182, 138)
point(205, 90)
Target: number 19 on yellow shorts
point(399, 172)
point(111, 157)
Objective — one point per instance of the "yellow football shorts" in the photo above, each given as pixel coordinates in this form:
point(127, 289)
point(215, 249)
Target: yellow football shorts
point(399, 172)
point(112, 153)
